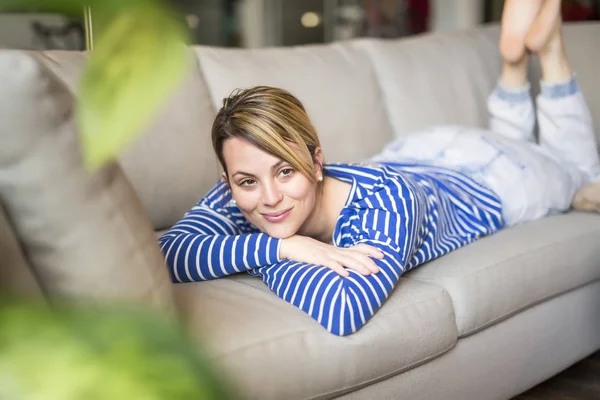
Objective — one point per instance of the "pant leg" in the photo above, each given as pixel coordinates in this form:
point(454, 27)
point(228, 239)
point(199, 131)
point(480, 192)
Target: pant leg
point(511, 112)
point(529, 182)
point(566, 129)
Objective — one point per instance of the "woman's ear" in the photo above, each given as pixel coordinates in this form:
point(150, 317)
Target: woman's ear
point(319, 160)
point(224, 177)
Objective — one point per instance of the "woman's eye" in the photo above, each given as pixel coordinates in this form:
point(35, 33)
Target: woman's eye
point(247, 182)
point(287, 171)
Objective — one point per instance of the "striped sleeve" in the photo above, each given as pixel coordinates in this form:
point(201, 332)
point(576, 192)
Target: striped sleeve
point(342, 305)
point(206, 244)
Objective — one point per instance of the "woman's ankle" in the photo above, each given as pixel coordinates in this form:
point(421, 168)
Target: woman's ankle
point(514, 74)
point(555, 63)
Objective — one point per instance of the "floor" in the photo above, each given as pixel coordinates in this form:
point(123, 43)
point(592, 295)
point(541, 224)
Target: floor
point(580, 382)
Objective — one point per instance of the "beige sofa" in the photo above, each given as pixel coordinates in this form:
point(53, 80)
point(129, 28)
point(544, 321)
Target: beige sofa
point(485, 322)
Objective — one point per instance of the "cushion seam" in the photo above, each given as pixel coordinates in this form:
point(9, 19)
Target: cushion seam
point(302, 331)
point(536, 249)
point(517, 311)
point(413, 365)
point(513, 310)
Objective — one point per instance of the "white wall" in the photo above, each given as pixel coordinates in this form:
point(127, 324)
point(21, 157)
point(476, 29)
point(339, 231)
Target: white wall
point(450, 15)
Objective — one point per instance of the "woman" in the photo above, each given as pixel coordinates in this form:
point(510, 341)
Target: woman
point(334, 239)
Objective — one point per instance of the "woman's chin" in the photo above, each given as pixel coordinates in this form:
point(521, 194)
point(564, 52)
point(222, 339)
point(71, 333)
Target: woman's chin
point(280, 231)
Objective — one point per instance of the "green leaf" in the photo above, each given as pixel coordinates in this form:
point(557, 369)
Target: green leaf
point(96, 353)
point(138, 59)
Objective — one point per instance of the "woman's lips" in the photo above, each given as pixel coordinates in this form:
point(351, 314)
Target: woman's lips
point(277, 217)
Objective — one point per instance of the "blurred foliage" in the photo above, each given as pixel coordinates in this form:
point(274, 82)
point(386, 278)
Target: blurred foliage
point(94, 354)
point(139, 57)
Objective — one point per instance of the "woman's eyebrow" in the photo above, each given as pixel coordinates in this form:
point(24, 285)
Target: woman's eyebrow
point(273, 167)
point(242, 173)
point(277, 164)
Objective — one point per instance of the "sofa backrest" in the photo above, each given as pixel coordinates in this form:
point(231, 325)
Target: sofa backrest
point(445, 78)
point(436, 79)
point(172, 165)
point(16, 275)
point(359, 94)
point(335, 82)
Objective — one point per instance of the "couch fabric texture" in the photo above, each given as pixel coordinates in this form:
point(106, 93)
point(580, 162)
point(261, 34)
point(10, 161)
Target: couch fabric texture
point(85, 235)
point(487, 321)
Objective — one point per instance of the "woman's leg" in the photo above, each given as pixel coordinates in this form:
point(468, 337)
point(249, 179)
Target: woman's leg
point(564, 119)
point(510, 105)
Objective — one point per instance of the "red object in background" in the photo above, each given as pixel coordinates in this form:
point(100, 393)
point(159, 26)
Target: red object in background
point(577, 11)
point(418, 11)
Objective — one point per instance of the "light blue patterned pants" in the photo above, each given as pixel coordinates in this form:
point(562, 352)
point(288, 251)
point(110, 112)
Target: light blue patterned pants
point(532, 179)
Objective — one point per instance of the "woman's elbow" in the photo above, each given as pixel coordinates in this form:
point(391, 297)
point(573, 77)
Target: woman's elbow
point(345, 322)
point(340, 326)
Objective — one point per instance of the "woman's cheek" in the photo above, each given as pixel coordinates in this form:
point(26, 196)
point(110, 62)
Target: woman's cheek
point(300, 188)
point(246, 201)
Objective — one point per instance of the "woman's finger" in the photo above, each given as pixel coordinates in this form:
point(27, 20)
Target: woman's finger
point(370, 263)
point(368, 250)
point(352, 261)
point(337, 267)
point(365, 259)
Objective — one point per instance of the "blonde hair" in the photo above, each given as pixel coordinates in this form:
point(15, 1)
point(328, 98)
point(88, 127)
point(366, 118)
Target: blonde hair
point(273, 120)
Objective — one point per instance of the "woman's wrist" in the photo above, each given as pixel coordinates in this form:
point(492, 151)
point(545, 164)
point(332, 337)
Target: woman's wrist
point(284, 245)
point(280, 256)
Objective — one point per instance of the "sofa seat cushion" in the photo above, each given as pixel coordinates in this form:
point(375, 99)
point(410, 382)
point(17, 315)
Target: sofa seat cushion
point(275, 351)
point(516, 268)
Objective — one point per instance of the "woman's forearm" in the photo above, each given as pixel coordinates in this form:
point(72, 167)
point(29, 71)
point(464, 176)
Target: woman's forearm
point(342, 305)
point(197, 257)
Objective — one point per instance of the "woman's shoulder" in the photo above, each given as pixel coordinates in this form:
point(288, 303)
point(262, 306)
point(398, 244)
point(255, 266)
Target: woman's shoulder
point(218, 197)
point(219, 203)
point(371, 170)
point(364, 173)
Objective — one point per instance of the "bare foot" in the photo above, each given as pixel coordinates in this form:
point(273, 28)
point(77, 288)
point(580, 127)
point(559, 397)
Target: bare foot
point(545, 27)
point(588, 198)
point(545, 39)
point(518, 17)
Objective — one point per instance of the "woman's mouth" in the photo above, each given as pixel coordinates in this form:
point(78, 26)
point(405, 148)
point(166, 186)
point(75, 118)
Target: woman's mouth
point(278, 216)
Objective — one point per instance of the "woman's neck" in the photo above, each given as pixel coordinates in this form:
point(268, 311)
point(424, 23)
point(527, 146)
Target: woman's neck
point(321, 223)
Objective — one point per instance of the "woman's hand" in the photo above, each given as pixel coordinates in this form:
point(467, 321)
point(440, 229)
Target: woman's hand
point(307, 250)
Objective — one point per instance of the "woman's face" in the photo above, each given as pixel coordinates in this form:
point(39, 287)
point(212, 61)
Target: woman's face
point(270, 193)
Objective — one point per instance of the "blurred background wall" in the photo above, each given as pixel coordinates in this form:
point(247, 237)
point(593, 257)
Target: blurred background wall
point(261, 23)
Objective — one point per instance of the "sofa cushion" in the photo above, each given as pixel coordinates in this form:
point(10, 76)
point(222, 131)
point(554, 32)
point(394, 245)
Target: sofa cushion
point(275, 351)
point(436, 79)
point(16, 276)
point(516, 268)
point(335, 83)
point(172, 164)
point(84, 234)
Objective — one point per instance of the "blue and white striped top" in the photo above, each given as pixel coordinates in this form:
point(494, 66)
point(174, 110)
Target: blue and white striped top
point(412, 213)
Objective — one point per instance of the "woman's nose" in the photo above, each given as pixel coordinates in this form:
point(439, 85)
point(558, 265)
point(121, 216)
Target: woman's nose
point(271, 195)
